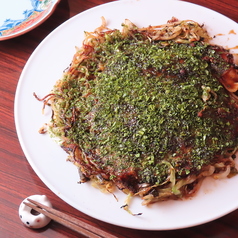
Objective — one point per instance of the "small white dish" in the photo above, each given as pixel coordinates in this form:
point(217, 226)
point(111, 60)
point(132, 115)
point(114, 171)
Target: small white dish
point(21, 16)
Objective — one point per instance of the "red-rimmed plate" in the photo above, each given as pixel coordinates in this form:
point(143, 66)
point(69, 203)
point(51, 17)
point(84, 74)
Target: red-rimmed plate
point(21, 16)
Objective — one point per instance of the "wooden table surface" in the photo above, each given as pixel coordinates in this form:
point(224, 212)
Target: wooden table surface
point(18, 180)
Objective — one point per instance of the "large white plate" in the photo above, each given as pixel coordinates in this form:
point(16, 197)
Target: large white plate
point(21, 16)
point(45, 66)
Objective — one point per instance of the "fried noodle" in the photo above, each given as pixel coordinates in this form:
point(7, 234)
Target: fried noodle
point(151, 111)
